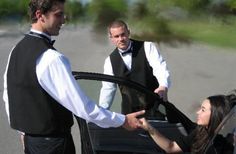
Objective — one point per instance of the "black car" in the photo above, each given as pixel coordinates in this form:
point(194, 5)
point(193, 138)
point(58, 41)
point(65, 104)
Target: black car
point(171, 122)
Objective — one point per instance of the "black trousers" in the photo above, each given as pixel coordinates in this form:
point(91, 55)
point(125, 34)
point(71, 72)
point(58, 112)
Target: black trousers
point(56, 144)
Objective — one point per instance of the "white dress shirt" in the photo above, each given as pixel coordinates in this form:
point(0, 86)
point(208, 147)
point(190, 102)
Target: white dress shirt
point(55, 77)
point(155, 60)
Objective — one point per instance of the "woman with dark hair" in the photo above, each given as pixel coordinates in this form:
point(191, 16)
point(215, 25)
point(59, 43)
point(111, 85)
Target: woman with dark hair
point(212, 111)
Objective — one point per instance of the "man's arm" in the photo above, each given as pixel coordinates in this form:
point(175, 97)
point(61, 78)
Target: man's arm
point(55, 77)
point(5, 91)
point(159, 67)
point(107, 94)
point(108, 90)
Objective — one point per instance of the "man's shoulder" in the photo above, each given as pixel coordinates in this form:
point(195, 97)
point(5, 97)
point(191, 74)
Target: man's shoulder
point(114, 52)
point(51, 56)
point(21, 41)
point(53, 53)
point(137, 41)
point(142, 41)
point(150, 44)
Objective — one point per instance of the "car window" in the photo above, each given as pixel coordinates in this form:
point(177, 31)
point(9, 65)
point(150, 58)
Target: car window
point(165, 111)
point(92, 89)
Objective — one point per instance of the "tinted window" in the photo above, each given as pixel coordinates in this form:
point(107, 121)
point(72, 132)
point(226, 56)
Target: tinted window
point(92, 89)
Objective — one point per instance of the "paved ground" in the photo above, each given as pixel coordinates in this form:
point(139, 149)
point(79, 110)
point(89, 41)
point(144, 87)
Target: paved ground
point(197, 71)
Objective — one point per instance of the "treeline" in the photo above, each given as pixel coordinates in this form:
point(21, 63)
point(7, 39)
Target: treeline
point(13, 8)
point(151, 19)
point(18, 10)
point(146, 17)
point(105, 10)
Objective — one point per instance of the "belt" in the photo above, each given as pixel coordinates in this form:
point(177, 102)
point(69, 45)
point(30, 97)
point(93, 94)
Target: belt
point(57, 134)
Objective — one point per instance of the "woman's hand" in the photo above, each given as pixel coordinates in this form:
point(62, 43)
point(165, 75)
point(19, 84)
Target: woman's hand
point(22, 141)
point(145, 124)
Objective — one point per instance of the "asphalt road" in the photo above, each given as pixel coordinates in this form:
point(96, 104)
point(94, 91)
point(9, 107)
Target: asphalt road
point(197, 71)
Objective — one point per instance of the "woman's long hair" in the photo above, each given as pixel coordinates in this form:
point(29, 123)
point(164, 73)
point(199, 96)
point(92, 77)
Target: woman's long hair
point(220, 106)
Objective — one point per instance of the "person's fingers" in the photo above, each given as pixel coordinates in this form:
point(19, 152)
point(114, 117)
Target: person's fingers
point(131, 121)
point(144, 124)
point(142, 119)
point(22, 141)
point(161, 94)
point(138, 113)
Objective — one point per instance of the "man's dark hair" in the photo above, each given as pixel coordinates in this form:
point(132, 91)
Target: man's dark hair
point(43, 5)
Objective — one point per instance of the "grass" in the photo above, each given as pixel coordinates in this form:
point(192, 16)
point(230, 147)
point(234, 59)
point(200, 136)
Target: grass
point(210, 31)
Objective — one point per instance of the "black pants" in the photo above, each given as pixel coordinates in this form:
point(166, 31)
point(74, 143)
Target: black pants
point(61, 144)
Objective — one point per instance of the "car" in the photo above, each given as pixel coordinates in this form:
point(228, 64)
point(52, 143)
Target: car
point(172, 122)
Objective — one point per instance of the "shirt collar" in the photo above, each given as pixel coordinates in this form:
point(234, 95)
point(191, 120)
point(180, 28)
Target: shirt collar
point(129, 46)
point(39, 32)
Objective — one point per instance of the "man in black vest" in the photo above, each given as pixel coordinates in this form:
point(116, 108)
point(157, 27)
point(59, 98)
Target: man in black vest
point(40, 92)
point(139, 61)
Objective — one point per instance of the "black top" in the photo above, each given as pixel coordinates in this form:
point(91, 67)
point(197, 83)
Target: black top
point(221, 145)
point(185, 142)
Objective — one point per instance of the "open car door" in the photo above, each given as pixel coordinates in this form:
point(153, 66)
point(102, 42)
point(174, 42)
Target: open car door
point(96, 140)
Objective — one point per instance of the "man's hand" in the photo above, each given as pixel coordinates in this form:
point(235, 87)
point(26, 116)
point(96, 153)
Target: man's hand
point(131, 120)
point(162, 92)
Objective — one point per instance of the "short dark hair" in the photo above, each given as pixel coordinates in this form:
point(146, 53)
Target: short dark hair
point(115, 24)
point(43, 5)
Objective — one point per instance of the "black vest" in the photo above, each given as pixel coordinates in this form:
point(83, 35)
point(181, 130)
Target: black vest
point(32, 110)
point(141, 72)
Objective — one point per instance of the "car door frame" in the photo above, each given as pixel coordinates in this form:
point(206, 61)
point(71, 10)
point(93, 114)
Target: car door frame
point(173, 114)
